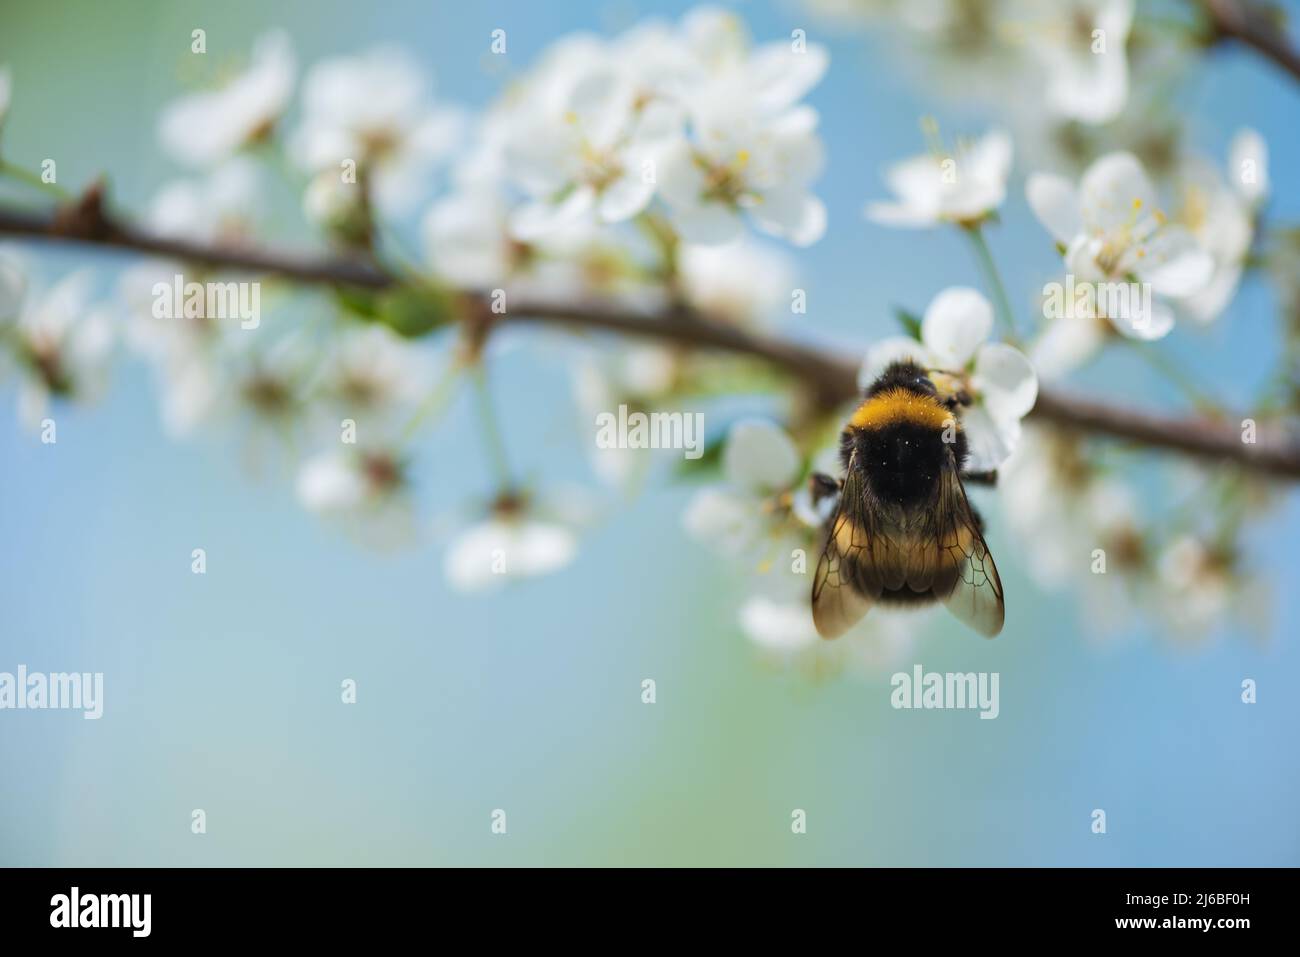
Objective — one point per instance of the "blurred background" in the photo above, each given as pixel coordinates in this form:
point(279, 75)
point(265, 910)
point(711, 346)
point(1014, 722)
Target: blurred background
point(222, 690)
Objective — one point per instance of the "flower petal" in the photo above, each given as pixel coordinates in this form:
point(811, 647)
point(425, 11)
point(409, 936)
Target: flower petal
point(990, 158)
point(493, 551)
point(917, 181)
point(625, 197)
point(708, 223)
point(1056, 204)
point(539, 548)
point(1090, 87)
point(780, 626)
point(779, 76)
point(890, 350)
point(681, 180)
point(328, 483)
point(1207, 304)
point(1006, 380)
point(1066, 344)
point(796, 215)
point(1174, 263)
point(955, 323)
point(1115, 190)
point(760, 457)
point(1141, 323)
point(722, 519)
point(989, 440)
point(539, 218)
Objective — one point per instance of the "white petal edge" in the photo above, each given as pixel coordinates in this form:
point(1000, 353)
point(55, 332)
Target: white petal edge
point(957, 320)
point(759, 456)
point(1007, 380)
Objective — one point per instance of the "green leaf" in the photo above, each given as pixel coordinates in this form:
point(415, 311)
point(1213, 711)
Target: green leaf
point(707, 465)
point(414, 311)
point(362, 303)
point(910, 322)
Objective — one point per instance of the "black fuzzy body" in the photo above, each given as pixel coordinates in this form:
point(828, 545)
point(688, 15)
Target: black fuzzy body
point(903, 462)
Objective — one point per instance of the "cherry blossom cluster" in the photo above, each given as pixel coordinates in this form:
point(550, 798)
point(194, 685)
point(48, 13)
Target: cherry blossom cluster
point(670, 166)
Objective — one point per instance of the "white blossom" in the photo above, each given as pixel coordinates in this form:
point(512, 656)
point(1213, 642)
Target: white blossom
point(935, 188)
point(1199, 587)
point(200, 129)
point(186, 353)
point(59, 345)
point(596, 157)
point(741, 282)
point(1067, 343)
point(1061, 510)
point(372, 110)
point(366, 489)
point(758, 504)
point(520, 537)
point(267, 384)
point(1113, 231)
point(999, 380)
point(1080, 46)
point(467, 235)
point(636, 375)
point(777, 618)
point(744, 162)
point(374, 371)
point(749, 149)
point(1220, 214)
point(219, 206)
point(339, 207)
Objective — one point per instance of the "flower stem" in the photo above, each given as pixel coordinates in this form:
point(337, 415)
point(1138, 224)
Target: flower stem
point(434, 403)
point(491, 432)
point(985, 258)
point(665, 239)
point(1171, 371)
point(25, 175)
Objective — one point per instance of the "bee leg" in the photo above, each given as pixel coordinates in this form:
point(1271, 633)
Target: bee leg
point(957, 401)
point(981, 478)
point(822, 486)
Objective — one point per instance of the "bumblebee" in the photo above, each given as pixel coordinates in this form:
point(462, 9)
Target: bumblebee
point(902, 531)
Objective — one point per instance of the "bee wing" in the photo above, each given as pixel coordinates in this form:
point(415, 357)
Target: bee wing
point(971, 588)
point(845, 581)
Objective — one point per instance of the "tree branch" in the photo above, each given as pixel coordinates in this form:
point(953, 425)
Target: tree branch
point(1251, 24)
point(830, 376)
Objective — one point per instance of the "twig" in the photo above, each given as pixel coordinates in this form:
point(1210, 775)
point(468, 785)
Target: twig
point(1248, 23)
point(831, 376)
point(86, 222)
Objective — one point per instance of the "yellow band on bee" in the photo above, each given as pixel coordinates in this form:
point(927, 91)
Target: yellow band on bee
point(896, 406)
